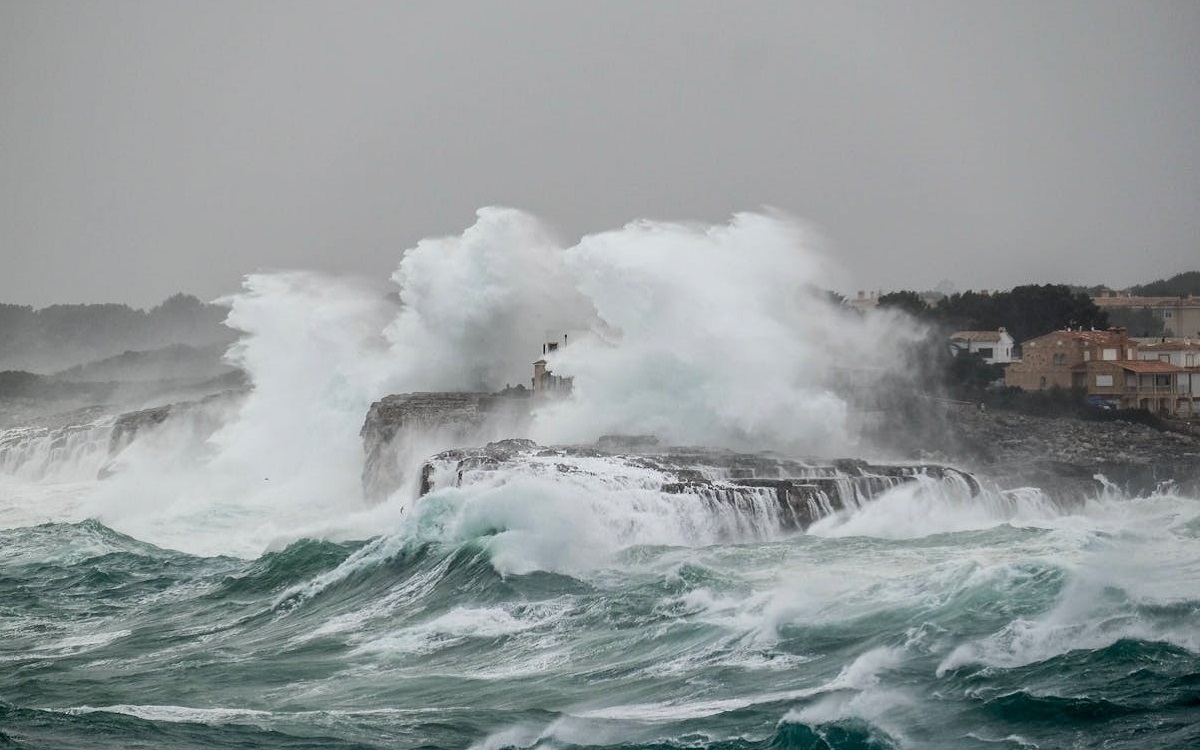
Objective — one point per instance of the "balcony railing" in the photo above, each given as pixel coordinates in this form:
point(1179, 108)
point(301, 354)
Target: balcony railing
point(1154, 390)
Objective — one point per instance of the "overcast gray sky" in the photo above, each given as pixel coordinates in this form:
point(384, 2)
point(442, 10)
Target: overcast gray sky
point(150, 147)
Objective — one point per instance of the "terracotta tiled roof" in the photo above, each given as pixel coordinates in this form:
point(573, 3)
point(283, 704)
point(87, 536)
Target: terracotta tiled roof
point(1150, 366)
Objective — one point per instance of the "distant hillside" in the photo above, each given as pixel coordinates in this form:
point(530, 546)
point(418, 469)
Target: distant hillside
point(62, 336)
point(19, 384)
point(174, 362)
point(27, 398)
point(1179, 285)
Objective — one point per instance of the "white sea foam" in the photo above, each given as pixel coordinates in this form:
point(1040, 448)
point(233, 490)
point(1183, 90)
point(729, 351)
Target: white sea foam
point(926, 507)
point(861, 675)
point(456, 625)
point(857, 692)
point(219, 715)
point(79, 644)
point(574, 522)
point(1122, 555)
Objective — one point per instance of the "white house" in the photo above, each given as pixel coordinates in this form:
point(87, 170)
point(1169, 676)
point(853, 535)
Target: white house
point(1185, 354)
point(996, 347)
point(1179, 353)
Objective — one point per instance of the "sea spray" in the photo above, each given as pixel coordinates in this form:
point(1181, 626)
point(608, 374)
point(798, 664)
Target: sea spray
point(712, 335)
point(476, 307)
point(715, 336)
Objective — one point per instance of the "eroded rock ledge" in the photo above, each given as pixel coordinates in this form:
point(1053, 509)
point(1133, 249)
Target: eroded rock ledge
point(789, 493)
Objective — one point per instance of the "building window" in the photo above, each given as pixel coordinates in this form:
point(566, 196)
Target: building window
point(1166, 313)
point(1060, 359)
point(1104, 381)
point(1108, 355)
point(1087, 355)
point(986, 352)
point(1164, 358)
point(1042, 384)
point(1191, 360)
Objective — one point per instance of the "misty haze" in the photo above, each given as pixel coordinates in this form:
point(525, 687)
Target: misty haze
point(633, 375)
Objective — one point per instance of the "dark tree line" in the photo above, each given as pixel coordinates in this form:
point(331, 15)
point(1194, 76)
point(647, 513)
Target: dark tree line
point(1026, 311)
point(1180, 285)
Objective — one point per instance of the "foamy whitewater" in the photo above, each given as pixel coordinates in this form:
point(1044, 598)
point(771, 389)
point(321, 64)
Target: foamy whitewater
point(219, 579)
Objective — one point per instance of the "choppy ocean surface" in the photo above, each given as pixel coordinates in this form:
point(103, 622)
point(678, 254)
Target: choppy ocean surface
point(218, 579)
point(924, 621)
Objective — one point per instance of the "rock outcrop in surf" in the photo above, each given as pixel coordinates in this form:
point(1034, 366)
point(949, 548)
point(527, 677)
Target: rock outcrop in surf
point(784, 492)
point(431, 441)
point(404, 428)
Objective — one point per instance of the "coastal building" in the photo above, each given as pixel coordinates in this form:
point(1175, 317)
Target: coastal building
point(864, 301)
point(996, 347)
point(545, 382)
point(1113, 369)
point(1179, 352)
point(869, 300)
point(1160, 387)
point(1184, 354)
point(1048, 361)
point(1180, 315)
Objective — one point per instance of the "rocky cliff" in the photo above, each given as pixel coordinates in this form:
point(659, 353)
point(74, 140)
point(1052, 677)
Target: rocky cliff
point(402, 430)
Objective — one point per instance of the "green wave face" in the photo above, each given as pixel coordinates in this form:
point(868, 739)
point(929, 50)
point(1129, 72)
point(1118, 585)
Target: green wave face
point(1071, 629)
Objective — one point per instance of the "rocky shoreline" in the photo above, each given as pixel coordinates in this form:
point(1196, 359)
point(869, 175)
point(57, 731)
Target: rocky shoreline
point(1072, 458)
point(1066, 454)
point(1063, 455)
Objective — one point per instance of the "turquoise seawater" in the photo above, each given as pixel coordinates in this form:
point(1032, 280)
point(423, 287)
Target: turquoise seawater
point(917, 624)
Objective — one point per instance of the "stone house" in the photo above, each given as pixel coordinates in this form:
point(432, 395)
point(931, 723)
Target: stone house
point(1048, 361)
point(1112, 368)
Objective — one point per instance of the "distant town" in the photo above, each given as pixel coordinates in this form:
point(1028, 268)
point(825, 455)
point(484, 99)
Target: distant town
point(1137, 348)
